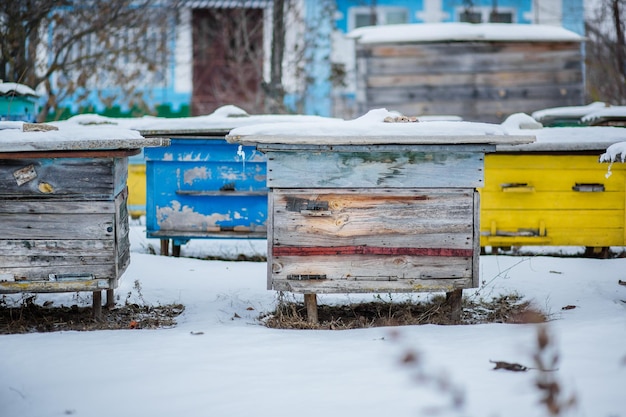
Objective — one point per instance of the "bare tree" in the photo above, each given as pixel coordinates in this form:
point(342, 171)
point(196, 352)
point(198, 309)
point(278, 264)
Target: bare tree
point(606, 52)
point(73, 48)
point(227, 58)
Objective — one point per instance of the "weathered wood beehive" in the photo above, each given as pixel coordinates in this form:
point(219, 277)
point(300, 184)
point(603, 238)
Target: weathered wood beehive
point(365, 211)
point(63, 209)
point(481, 72)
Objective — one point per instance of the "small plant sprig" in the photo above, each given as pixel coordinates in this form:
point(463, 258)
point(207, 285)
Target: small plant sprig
point(546, 359)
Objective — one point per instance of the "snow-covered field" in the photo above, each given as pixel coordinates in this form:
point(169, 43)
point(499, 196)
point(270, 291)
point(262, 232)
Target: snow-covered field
point(220, 361)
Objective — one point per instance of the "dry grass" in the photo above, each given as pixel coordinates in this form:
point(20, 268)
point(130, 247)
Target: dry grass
point(290, 314)
point(31, 317)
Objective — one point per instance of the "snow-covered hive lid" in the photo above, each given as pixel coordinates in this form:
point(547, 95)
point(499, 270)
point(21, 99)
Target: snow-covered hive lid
point(220, 122)
point(560, 139)
point(610, 112)
point(462, 32)
point(28, 137)
point(573, 112)
point(17, 89)
point(378, 126)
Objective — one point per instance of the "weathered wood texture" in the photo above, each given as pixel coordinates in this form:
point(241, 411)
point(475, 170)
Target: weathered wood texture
point(70, 235)
point(91, 179)
point(373, 240)
point(378, 166)
point(202, 188)
point(479, 81)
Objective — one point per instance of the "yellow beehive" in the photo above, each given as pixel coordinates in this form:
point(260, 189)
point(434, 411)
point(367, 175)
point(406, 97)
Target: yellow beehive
point(554, 193)
point(136, 189)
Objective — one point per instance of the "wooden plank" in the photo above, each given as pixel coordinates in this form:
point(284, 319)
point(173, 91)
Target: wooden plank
point(367, 250)
point(51, 287)
point(394, 94)
point(537, 161)
point(476, 241)
point(122, 230)
point(122, 153)
point(106, 270)
point(451, 48)
point(511, 219)
point(55, 247)
point(26, 260)
point(476, 62)
point(46, 226)
point(418, 218)
point(372, 267)
point(21, 206)
point(372, 286)
point(590, 203)
point(33, 143)
point(88, 178)
point(500, 79)
point(378, 169)
point(562, 237)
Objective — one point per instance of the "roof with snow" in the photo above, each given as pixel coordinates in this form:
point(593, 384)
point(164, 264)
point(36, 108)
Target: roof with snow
point(17, 89)
point(220, 122)
point(378, 126)
point(462, 32)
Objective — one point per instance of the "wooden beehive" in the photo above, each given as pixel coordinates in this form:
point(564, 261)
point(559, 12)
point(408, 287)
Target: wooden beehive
point(63, 212)
point(373, 214)
point(554, 192)
point(481, 72)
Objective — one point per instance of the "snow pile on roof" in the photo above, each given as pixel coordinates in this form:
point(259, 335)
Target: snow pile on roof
point(222, 120)
point(612, 153)
point(372, 124)
point(17, 89)
point(567, 139)
point(604, 112)
point(374, 128)
point(462, 32)
point(13, 138)
point(568, 111)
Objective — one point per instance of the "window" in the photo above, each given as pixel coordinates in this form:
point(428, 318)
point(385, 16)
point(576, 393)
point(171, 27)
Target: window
point(370, 16)
point(485, 14)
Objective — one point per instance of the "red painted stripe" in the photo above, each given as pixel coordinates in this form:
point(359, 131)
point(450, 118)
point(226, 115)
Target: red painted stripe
point(367, 250)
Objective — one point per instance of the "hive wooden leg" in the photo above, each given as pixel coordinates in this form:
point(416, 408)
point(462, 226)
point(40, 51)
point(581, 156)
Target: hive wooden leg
point(97, 305)
point(454, 300)
point(110, 298)
point(165, 247)
point(310, 302)
point(176, 250)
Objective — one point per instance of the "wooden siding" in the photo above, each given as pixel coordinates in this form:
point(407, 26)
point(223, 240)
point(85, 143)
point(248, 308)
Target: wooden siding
point(372, 240)
point(427, 166)
point(479, 81)
point(69, 235)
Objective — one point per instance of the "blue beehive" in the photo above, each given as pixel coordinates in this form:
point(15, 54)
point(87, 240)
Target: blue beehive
point(17, 102)
point(203, 187)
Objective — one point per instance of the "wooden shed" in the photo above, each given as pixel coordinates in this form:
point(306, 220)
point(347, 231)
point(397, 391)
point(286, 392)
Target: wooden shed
point(352, 209)
point(63, 209)
point(481, 72)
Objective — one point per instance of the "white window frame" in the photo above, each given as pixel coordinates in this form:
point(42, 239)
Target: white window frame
point(381, 14)
point(485, 11)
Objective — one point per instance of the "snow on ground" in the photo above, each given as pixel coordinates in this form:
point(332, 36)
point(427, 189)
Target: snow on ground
point(237, 367)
